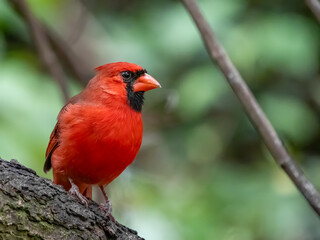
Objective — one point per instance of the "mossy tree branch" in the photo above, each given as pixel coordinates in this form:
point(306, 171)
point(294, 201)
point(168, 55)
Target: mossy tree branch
point(32, 207)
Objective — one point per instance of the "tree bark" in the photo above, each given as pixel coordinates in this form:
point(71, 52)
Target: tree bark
point(32, 207)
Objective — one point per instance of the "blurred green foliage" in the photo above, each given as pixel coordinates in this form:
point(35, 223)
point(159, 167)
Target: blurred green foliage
point(202, 172)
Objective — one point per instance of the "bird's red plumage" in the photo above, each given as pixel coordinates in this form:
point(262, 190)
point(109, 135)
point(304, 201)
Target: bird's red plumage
point(97, 134)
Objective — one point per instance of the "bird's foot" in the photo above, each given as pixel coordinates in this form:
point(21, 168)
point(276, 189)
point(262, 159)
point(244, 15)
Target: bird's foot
point(107, 209)
point(74, 190)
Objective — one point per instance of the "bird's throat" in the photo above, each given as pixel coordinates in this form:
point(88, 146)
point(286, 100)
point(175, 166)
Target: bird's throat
point(135, 99)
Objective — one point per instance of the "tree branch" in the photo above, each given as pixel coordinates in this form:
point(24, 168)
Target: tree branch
point(34, 207)
point(252, 108)
point(45, 52)
point(314, 6)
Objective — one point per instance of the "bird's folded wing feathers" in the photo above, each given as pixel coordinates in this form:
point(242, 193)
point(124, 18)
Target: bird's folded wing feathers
point(53, 144)
point(54, 137)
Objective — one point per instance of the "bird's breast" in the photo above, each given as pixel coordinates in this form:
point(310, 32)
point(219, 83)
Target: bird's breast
point(98, 143)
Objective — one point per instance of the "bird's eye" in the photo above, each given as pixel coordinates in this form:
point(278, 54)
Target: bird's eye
point(126, 74)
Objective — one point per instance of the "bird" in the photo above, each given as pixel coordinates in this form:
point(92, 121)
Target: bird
point(99, 131)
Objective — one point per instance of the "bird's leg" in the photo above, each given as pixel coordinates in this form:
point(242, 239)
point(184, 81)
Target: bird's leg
point(107, 207)
point(74, 190)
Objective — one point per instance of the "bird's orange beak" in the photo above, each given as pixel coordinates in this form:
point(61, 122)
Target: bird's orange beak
point(145, 83)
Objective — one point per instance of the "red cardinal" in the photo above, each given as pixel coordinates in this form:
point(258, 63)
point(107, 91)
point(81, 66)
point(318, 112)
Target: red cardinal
point(99, 131)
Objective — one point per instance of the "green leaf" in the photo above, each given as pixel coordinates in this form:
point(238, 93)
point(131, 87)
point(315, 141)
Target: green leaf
point(200, 88)
point(291, 117)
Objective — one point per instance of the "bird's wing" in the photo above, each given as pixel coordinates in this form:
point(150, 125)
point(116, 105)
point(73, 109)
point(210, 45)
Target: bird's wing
point(53, 144)
point(54, 137)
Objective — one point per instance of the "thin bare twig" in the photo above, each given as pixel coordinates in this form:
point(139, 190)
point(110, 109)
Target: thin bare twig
point(314, 6)
point(252, 108)
point(45, 52)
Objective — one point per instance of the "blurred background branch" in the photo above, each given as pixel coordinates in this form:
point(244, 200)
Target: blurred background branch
point(45, 52)
point(81, 71)
point(252, 108)
point(314, 6)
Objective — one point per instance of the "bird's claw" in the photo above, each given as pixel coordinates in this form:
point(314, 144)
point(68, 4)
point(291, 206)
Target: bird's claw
point(74, 190)
point(107, 208)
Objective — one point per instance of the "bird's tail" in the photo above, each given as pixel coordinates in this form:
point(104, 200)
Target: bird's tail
point(61, 180)
point(88, 192)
